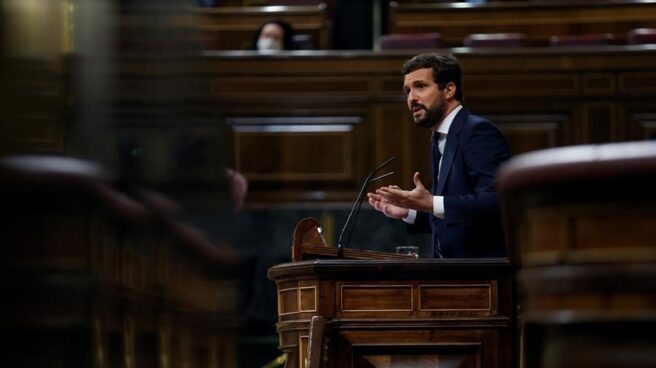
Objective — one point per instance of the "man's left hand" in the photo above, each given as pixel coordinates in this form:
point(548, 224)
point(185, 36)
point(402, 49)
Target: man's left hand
point(419, 198)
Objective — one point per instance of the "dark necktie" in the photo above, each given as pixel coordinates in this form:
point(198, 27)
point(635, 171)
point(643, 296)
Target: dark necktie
point(436, 161)
point(437, 252)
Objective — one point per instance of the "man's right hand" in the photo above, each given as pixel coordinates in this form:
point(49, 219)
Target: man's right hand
point(382, 205)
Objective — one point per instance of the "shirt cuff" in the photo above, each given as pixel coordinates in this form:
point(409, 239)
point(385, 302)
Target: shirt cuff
point(438, 206)
point(412, 216)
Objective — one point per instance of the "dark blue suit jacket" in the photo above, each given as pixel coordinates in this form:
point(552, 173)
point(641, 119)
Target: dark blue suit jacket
point(472, 225)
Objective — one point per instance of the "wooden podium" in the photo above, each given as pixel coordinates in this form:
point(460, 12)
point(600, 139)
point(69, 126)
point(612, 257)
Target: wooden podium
point(387, 310)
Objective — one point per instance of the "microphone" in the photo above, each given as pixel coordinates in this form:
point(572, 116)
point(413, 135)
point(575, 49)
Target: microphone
point(358, 203)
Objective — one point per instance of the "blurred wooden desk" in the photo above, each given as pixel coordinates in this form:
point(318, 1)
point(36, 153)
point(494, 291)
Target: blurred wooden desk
point(581, 223)
point(93, 278)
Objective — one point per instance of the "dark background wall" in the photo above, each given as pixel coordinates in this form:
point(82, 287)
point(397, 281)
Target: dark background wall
point(353, 24)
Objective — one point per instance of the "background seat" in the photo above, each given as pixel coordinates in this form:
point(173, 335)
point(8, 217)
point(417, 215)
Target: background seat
point(295, 2)
point(641, 36)
point(582, 40)
point(303, 42)
point(496, 40)
point(411, 41)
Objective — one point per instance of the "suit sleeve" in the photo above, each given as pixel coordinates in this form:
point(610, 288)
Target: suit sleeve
point(484, 150)
point(421, 225)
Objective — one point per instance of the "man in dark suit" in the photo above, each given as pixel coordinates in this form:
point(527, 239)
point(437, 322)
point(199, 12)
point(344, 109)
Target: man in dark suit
point(461, 209)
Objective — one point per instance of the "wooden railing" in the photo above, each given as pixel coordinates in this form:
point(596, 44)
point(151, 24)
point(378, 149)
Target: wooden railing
point(539, 20)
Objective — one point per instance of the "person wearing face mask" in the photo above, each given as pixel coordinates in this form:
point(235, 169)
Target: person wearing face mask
point(274, 35)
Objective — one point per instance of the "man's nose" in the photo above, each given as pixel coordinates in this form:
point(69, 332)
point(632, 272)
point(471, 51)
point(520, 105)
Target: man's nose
point(411, 97)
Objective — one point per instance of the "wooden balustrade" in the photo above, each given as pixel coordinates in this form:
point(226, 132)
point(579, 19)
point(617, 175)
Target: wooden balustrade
point(538, 20)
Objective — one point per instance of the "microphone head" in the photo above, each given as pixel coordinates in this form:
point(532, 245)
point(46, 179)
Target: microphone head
point(381, 177)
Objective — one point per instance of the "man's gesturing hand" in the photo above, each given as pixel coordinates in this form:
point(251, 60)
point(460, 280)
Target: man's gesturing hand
point(394, 201)
point(380, 204)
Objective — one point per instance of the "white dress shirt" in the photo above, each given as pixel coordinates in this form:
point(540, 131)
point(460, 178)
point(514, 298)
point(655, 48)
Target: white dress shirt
point(438, 201)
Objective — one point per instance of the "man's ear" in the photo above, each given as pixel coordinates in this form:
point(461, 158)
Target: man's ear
point(450, 90)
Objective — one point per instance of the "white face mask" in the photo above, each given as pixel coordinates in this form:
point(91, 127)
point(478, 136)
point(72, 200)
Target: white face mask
point(268, 44)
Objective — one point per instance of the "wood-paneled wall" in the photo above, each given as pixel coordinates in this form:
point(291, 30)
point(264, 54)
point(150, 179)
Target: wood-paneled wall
point(35, 103)
point(309, 127)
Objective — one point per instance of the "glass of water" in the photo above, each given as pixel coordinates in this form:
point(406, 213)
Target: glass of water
point(412, 250)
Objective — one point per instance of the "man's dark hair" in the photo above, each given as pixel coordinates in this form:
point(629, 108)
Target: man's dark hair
point(288, 34)
point(446, 69)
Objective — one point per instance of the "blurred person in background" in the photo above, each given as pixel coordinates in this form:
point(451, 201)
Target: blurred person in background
point(274, 35)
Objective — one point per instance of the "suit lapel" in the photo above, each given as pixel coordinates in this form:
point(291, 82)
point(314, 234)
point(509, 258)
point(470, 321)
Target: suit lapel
point(451, 148)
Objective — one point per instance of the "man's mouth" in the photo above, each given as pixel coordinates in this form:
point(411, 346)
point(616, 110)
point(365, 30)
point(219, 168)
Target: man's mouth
point(416, 108)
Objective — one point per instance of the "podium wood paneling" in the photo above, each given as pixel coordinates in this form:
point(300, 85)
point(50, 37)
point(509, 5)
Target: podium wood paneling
point(371, 309)
point(402, 312)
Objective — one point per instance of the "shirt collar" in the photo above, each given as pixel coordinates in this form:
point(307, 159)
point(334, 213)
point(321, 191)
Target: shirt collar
point(444, 126)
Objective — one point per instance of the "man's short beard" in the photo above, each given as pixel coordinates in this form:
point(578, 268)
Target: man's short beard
point(431, 118)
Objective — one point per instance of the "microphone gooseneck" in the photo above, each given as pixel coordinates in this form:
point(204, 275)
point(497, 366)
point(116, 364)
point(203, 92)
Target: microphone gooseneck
point(358, 203)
